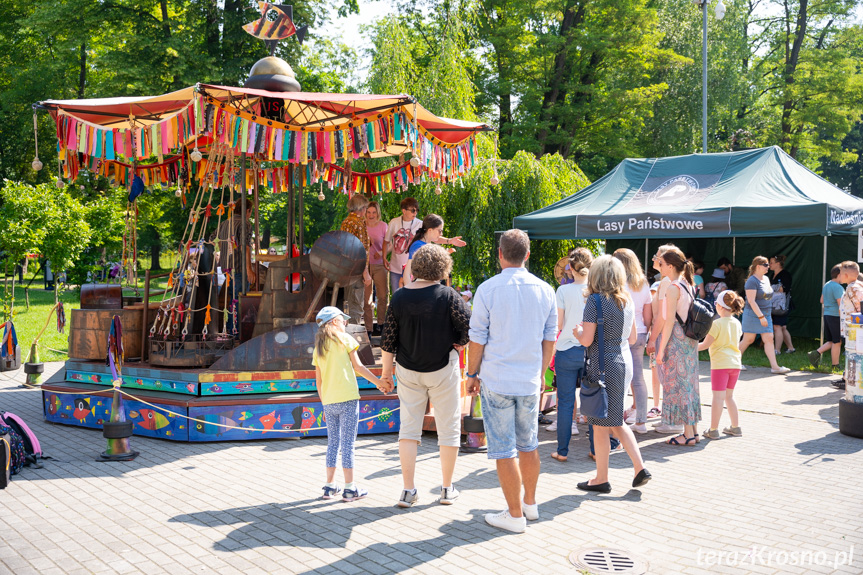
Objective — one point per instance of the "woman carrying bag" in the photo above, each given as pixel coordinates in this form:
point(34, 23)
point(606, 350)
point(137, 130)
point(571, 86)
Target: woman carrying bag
point(607, 300)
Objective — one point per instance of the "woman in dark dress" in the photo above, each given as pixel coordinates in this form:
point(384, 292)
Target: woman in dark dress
point(781, 285)
point(607, 278)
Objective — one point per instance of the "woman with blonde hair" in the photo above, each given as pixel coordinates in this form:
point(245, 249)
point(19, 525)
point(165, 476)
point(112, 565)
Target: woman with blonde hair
point(676, 354)
point(757, 313)
point(639, 292)
point(607, 281)
point(569, 353)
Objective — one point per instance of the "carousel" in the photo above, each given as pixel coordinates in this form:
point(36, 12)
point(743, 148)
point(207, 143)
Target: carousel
point(224, 351)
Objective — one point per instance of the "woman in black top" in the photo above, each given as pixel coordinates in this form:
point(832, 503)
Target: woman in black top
point(781, 284)
point(427, 323)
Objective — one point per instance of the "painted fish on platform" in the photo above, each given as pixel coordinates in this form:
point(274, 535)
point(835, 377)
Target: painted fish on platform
point(294, 384)
point(139, 381)
point(191, 387)
point(153, 420)
point(243, 387)
point(54, 404)
point(82, 409)
point(245, 415)
point(215, 389)
point(134, 415)
point(366, 408)
point(95, 378)
point(269, 420)
point(392, 423)
point(370, 424)
point(304, 417)
point(384, 414)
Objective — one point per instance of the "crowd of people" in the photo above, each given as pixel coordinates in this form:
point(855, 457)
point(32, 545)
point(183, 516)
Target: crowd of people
point(597, 327)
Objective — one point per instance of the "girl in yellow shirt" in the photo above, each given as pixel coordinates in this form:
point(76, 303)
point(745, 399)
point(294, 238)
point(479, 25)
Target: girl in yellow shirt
point(723, 344)
point(335, 359)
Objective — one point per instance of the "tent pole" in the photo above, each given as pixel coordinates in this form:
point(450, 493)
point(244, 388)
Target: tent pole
point(646, 260)
point(734, 251)
point(823, 280)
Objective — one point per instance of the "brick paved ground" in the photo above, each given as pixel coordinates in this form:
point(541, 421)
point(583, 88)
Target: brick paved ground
point(791, 484)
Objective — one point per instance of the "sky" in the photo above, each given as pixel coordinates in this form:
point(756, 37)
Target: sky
point(349, 29)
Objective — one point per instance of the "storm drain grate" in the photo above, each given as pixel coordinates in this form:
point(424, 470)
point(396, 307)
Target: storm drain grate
point(602, 560)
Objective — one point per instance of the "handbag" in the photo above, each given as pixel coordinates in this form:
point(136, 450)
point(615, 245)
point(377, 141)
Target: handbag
point(594, 396)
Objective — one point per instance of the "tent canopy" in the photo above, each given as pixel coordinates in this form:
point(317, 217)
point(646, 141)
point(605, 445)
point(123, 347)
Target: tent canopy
point(753, 193)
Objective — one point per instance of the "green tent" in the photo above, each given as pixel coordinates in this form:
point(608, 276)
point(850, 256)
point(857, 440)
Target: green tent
point(734, 204)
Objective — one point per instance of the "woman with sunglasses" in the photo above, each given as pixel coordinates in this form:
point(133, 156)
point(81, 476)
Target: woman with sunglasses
point(757, 318)
point(400, 233)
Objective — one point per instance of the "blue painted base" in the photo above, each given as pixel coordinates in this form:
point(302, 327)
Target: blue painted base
point(257, 417)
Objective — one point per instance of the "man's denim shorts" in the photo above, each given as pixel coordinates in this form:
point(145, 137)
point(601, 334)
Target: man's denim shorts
point(511, 423)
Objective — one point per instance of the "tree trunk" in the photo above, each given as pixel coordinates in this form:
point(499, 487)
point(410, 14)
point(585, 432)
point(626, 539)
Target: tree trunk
point(82, 73)
point(212, 29)
point(792, 57)
point(573, 16)
point(155, 251)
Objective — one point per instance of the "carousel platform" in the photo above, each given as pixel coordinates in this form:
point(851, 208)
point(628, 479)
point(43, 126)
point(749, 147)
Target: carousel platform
point(260, 405)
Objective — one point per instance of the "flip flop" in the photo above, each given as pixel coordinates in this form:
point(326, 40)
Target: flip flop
point(558, 457)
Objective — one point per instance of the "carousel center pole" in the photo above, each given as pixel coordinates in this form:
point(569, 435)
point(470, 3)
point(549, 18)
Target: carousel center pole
point(241, 266)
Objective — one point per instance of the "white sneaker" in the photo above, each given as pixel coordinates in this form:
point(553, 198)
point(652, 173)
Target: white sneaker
point(743, 368)
point(531, 512)
point(669, 429)
point(504, 520)
point(781, 370)
point(574, 428)
point(630, 419)
point(448, 495)
point(552, 427)
point(638, 428)
point(408, 498)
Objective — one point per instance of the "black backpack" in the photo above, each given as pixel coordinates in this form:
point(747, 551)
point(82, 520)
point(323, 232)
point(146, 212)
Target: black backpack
point(699, 319)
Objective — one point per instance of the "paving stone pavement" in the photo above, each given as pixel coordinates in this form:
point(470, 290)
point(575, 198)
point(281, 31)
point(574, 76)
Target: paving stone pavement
point(790, 489)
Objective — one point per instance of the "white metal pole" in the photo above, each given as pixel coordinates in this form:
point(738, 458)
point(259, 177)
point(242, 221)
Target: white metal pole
point(823, 281)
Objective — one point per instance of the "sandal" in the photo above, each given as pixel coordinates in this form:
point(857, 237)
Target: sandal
point(581, 419)
point(674, 441)
point(557, 457)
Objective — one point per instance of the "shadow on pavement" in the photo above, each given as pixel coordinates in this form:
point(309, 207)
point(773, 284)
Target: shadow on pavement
point(831, 444)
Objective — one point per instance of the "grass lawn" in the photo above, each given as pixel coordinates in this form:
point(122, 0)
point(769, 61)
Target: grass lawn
point(28, 324)
point(755, 357)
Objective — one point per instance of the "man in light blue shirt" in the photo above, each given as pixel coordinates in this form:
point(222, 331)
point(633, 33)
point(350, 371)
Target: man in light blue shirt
point(512, 333)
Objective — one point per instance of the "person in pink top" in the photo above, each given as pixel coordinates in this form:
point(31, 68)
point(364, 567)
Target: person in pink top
point(377, 231)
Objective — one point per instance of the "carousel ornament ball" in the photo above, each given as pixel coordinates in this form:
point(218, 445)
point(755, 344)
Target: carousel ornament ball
point(60, 183)
point(178, 192)
point(321, 196)
point(438, 190)
point(37, 164)
point(415, 162)
point(196, 155)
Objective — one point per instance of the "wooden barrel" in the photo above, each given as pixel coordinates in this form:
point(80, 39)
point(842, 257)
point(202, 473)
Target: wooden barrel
point(89, 328)
point(101, 296)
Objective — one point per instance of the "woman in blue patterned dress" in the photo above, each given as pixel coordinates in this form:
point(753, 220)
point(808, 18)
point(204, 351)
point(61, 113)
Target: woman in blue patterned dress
point(607, 278)
point(676, 354)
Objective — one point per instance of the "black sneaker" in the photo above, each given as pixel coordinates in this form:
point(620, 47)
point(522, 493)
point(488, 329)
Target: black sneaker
point(543, 420)
point(814, 357)
point(839, 383)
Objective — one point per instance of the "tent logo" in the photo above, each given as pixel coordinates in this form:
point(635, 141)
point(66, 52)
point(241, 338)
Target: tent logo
point(676, 190)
